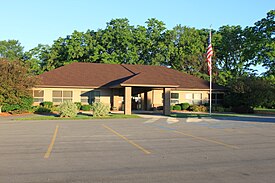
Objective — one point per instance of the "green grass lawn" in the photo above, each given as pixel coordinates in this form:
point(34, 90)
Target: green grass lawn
point(264, 110)
point(195, 115)
point(78, 117)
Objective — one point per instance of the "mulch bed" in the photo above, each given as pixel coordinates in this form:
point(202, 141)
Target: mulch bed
point(8, 114)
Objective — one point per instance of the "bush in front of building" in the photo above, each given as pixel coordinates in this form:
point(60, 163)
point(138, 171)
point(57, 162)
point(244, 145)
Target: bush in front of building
point(47, 104)
point(41, 110)
point(177, 107)
point(217, 108)
point(184, 106)
point(99, 109)
point(68, 109)
point(78, 105)
point(23, 105)
point(86, 107)
point(198, 108)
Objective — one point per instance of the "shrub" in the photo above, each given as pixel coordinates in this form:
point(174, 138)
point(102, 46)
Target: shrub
point(40, 110)
point(177, 107)
point(198, 108)
point(184, 106)
point(217, 108)
point(47, 104)
point(55, 108)
point(243, 109)
point(23, 105)
point(78, 105)
point(228, 109)
point(86, 107)
point(67, 109)
point(100, 109)
point(10, 107)
point(171, 107)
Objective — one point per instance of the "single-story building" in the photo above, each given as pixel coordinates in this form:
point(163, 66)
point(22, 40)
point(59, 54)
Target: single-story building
point(124, 87)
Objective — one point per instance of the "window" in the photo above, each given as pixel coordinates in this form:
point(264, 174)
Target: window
point(60, 96)
point(84, 97)
point(193, 98)
point(197, 98)
point(38, 95)
point(90, 97)
point(174, 98)
point(95, 96)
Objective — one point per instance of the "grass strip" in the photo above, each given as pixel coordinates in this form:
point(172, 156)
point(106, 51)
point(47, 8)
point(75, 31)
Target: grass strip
point(78, 117)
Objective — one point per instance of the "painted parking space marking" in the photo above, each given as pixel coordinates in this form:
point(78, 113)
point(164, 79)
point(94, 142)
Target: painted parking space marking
point(127, 140)
point(152, 120)
point(193, 120)
point(48, 153)
point(196, 137)
point(172, 120)
point(207, 140)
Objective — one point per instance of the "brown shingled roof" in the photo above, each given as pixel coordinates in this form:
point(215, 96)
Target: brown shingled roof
point(111, 75)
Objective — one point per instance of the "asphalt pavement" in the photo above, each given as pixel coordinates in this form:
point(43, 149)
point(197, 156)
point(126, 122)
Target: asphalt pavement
point(150, 149)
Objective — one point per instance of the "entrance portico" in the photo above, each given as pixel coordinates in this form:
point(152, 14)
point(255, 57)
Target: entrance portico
point(129, 91)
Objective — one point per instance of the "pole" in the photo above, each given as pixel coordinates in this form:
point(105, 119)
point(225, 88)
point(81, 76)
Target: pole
point(210, 90)
point(210, 83)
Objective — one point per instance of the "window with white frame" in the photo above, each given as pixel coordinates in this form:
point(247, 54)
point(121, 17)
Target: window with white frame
point(62, 95)
point(193, 98)
point(38, 95)
point(174, 98)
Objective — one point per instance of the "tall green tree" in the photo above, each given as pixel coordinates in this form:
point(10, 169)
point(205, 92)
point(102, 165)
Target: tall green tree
point(264, 37)
point(156, 47)
point(118, 42)
point(229, 54)
point(36, 59)
point(186, 49)
point(11, 49)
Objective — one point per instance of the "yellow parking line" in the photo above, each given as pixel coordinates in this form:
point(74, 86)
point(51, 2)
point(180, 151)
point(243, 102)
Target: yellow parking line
point(127, 140)
point(48, 153)
point(207, 140)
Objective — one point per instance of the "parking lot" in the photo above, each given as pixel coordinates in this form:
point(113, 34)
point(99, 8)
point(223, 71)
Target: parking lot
point(149, 149)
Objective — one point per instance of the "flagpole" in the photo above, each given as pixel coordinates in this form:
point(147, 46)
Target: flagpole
point(210, 83)
point(210, 89)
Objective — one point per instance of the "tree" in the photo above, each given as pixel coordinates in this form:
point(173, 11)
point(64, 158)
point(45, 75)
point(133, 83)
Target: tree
point(186, 49)
point(155, 39)
point(36, 59)
point(251, 91)
point(16, 83)
point(118, 42)
point(11, 50)
point(229, 56)
point(264, 38)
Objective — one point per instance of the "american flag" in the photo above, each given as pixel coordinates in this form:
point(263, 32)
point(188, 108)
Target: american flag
point(209, 54)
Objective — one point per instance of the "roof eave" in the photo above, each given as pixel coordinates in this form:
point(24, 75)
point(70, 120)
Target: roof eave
point(60, 86)
point(150, 86)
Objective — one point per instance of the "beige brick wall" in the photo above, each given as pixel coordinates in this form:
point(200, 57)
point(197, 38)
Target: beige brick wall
point(154, 97)
point(105, 94)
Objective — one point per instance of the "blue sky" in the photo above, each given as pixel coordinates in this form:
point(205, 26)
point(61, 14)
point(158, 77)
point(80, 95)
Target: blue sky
point(36, 21)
